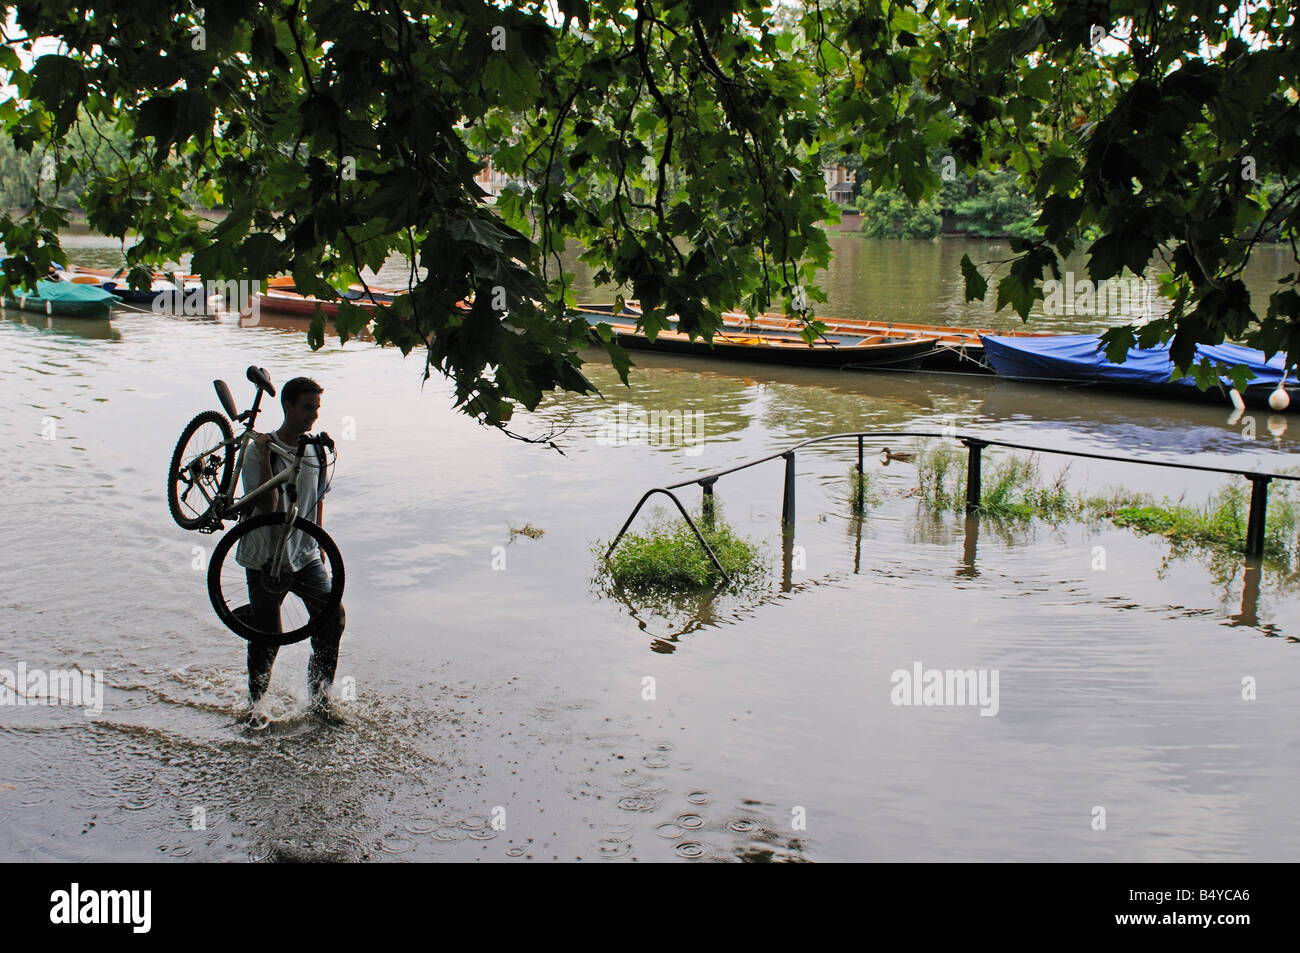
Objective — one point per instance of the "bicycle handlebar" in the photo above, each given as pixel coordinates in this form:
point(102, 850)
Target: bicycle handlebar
point(320, 440)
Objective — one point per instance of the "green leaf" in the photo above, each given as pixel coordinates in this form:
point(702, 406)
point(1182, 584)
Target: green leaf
point(1011, 291)
point(350, 320)
point(619, 357)
point(262, 255)
point(976, 286)
point(1117, 343)
point(60, 83)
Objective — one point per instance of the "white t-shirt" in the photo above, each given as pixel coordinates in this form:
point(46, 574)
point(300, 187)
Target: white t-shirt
point(254, 550)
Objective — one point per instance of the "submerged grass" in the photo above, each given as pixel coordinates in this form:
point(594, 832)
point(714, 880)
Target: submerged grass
point(1221, 522)
point(859, 502)
point(1013, 488)
point(668, 556)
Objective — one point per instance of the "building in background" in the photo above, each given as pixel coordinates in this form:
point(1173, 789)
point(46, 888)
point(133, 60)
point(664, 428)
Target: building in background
point(840, 184)
point(490, 180)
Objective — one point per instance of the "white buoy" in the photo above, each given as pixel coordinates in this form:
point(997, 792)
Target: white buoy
point(1279, 400)
point(1235, 396)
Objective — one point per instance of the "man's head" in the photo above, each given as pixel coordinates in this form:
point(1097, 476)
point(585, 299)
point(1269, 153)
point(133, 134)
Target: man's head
point(301, 400)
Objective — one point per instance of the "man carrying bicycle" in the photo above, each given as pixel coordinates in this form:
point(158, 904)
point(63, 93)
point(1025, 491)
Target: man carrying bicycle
point(300, 399)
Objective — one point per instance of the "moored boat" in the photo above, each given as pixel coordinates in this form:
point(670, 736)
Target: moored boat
point(1080, 358)
point(159, 288)
point(956, 347)
point(284, 300)
point(63, 298)
point(900, 349)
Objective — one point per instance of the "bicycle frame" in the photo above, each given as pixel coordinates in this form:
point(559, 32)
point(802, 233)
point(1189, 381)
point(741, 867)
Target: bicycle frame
point(225, 506)
point(289, 475)
point(237, 506)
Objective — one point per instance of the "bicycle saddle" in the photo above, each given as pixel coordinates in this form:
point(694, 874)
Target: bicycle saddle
point(262, 379)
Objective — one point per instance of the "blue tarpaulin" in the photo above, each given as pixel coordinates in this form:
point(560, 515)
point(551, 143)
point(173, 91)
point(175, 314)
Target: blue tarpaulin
point(1080, 357)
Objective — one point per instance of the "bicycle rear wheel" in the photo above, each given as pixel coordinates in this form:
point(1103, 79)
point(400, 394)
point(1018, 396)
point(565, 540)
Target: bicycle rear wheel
point(202, 467)
point(299, 617)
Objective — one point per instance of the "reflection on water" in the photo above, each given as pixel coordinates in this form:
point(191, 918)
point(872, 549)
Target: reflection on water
point(93, 329)
point(495, 705)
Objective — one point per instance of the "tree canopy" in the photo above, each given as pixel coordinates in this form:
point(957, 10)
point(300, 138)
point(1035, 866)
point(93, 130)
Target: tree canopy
point(678, 141)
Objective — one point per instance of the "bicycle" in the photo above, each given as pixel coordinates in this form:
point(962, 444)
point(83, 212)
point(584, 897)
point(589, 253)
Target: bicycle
point(207, 458)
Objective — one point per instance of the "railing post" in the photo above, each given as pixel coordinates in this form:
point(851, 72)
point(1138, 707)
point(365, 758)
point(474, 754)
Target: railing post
point(706, 504)
point(973, 472)
point(861, 480)
point(787, 501)
point(1258, 513)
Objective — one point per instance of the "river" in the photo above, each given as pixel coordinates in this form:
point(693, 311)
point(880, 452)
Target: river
point(500, 706)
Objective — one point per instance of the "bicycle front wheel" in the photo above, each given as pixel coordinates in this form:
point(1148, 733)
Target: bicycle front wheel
point(305, 605)
point(202, 468)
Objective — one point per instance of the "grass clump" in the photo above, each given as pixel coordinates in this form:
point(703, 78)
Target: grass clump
point(942, 474)
point(1012, 488)
point(1009, 488)
point(860, 489)
point(1221, 522)
point(668, 556)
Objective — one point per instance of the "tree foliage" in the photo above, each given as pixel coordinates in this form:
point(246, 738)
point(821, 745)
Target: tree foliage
point(886, 213)
point(678, 141)
point(987, 204)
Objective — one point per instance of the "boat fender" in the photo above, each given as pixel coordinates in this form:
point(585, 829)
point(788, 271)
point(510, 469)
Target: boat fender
point(1279, 400)
point(1235, 396)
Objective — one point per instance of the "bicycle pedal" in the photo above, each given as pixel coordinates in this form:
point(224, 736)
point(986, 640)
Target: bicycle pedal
point(210, 528)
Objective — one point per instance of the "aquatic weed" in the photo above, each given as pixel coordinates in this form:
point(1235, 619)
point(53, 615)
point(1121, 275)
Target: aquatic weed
point(860, 494)
point(1012, 489)
point(667, 555)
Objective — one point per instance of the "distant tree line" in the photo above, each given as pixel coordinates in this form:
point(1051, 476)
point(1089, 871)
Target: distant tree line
point(986, 204)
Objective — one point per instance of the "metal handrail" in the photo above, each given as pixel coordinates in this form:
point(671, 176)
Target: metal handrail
point(975, 444)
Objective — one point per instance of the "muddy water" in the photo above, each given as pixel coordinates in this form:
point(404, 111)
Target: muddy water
point(494, 681)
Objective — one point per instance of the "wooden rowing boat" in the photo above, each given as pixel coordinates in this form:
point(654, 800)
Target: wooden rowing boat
point(283, 300)
point(897, 349)
point(957, 347)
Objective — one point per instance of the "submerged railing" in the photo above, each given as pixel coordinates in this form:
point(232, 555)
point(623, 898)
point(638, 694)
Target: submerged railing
point(975, 446)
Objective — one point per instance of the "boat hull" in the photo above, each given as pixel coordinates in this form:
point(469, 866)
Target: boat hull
point(62, 299)
point(298, 306)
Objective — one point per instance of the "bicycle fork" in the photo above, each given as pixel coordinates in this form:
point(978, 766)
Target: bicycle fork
point(282, 544)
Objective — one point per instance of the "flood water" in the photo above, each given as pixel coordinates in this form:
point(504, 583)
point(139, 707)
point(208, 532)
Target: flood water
point(502, 706)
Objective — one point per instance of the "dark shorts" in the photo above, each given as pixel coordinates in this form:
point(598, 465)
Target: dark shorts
point(311, 584)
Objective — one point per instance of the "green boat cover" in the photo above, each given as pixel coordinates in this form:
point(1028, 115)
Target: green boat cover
point(69, 291)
